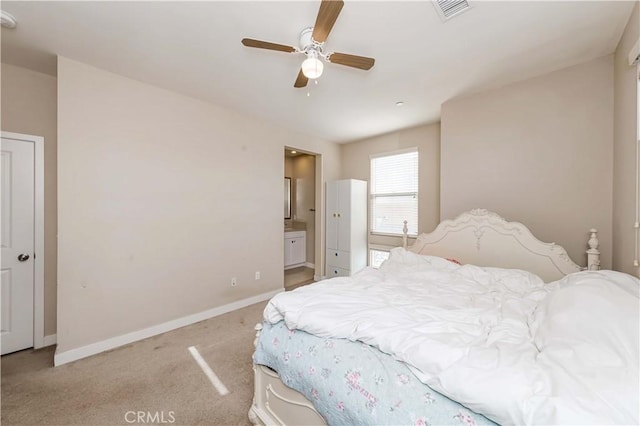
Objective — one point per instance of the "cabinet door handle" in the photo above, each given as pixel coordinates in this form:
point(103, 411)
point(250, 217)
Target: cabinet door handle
point(336, 254)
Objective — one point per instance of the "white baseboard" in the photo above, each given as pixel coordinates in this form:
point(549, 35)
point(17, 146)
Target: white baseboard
point(114, 342)
point(50, 340)
point(298, 265)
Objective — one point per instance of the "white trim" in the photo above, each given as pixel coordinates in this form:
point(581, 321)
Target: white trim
point(634, 54)
point(294, 266)
point(389, 234)
point(636, 224)
point(114, 342)
point(381, 247)
point(38, 236)
point(395, 152)
point(320, 237)
point(50, 340)
point(302, 265)
point(38, 311)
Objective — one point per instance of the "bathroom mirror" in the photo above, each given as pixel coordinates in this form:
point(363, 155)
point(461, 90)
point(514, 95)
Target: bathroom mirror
point(287, 198)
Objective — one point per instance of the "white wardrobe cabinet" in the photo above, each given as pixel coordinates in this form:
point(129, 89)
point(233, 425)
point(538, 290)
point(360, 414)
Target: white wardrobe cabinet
point(346, 233)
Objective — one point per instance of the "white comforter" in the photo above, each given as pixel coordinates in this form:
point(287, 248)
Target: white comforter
point(499, 341)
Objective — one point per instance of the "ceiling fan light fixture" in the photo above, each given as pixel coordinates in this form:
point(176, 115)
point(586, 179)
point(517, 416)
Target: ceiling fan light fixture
point(312, 40)
point(312, 67)
point(7, 20)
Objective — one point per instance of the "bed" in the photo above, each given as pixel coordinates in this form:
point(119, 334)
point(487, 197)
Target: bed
point(491, 347)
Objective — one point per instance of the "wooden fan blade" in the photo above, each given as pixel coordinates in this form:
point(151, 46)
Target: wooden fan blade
point(354, 61)
point(249, 42)
point(301, 81)
point(327, 15)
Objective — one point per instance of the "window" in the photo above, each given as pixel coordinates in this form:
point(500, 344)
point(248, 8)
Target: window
point(394, 192)
point(376, 257)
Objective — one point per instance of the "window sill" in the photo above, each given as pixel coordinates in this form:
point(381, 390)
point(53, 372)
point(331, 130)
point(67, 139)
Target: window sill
point(385, 234)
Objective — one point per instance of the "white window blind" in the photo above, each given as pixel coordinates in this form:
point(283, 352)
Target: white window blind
point(394, 192)
point(376, 257)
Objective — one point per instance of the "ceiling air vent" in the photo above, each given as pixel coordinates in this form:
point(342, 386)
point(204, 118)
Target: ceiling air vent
point(447, 9)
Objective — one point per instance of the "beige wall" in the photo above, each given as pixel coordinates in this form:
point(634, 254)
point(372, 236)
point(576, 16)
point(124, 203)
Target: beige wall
point(304, 188)
point(29, 107)
point(356, 165)
point(166, 198)
point(288, 166)
point(624, 149)
point(538, 151)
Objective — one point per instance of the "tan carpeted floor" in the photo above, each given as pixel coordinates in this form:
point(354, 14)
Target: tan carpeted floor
point(157, 375)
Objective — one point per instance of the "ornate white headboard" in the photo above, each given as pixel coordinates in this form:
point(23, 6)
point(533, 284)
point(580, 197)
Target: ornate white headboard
point(483, 238)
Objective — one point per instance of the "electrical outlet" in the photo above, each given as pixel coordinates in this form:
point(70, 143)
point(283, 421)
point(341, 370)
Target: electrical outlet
point(234, 282)
point(257, 275)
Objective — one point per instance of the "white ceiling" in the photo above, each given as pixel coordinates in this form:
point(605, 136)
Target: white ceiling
point(194, 48)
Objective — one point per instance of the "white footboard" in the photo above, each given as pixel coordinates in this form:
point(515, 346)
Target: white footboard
point(274, 403)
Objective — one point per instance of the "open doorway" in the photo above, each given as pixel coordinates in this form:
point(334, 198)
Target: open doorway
point(300, 236)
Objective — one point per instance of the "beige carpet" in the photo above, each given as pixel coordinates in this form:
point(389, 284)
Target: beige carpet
point(156, 375)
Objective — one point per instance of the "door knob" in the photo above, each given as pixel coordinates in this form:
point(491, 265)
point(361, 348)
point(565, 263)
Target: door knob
point(23, 257)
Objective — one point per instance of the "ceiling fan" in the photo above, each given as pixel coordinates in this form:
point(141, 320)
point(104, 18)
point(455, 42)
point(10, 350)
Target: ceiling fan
point(312, 41)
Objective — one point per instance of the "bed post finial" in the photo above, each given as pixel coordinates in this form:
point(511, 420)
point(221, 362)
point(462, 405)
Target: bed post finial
point(258, 329)
point(405, 230)
point(593, 254)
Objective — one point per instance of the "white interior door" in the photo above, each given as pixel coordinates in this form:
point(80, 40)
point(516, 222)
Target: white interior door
point(17, 217)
